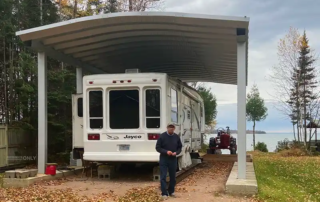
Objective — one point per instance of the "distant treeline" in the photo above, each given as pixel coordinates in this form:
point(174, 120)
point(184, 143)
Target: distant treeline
point(248, 132)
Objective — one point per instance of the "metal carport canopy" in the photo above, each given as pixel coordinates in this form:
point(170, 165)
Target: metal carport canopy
point(191, 47)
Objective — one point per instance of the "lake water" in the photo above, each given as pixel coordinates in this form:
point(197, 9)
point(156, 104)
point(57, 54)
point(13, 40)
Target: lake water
point(270, 139)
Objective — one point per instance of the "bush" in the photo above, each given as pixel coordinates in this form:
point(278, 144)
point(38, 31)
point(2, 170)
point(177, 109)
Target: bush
point(261, 146)
point(204, 148)
point(295, 148)
point(294, 152)
point(283, 145)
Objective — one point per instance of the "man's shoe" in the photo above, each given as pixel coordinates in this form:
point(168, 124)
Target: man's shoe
point(172, 195)
point(164, 197)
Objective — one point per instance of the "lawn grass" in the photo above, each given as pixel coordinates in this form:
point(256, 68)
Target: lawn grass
point(287, 178)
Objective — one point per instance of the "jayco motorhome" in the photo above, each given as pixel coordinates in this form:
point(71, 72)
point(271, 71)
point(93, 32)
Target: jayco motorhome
point(119, 117)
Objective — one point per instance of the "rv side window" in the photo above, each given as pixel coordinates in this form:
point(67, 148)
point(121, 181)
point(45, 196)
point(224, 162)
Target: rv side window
point(153, 108)
point(174, 106)
point(80, 108)
point(95, 109)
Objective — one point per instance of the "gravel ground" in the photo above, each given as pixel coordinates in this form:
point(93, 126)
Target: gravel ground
point(205, 184)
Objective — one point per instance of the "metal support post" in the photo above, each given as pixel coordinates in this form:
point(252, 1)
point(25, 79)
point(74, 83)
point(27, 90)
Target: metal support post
point(42, 112)
point(79, 80)
point(241, 66)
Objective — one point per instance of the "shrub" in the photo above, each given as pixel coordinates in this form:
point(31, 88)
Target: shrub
point(261, 146)
point(294, 152)
point(294, 148)
point(204, 148)
point(283, 145)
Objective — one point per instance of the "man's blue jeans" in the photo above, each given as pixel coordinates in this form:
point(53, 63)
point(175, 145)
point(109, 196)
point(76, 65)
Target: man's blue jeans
point(168, 164)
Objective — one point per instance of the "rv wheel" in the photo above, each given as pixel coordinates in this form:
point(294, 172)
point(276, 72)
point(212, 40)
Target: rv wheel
point(213, 151)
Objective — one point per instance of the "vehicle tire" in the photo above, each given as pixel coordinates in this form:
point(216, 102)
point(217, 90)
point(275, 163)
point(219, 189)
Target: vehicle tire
point(212, 142)
point(233, 150)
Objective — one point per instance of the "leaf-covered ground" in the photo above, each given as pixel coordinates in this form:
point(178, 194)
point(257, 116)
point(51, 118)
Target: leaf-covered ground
point(287, 178)
point(205, 184)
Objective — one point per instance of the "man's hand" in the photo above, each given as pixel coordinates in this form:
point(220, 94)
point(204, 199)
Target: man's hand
point(169, 153)
point(174, 153)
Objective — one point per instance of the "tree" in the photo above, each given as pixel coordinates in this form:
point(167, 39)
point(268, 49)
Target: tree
point(139, 5)
point(261, 146)
point(210, 108)
point(70, 9)
point(255, 109)
point(282, 73)
point(307, 80)
point(210, 104)
point(294, 83)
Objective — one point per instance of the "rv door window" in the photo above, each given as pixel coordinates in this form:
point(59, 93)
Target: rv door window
point(174, 106)
point(152, 108)
point(95, 109)
point(124, 109)
point(80, 107)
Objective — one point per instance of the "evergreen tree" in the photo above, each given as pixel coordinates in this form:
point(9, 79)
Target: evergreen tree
point(18, 68)
point(308, 83)
point(294, 101)
point(302, 91)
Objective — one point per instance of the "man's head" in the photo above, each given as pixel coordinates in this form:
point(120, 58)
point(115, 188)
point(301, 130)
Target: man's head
point(171, 128)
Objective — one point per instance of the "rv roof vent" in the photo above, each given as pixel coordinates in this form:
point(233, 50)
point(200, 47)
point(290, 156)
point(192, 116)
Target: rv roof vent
point(132, 70)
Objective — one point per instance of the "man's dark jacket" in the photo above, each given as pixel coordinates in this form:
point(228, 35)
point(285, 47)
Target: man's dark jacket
point(167, 143)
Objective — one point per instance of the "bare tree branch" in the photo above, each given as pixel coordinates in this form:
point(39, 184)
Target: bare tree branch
point(140, 5)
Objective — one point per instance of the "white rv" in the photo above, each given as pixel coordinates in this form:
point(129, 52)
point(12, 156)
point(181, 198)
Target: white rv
point(119, 117)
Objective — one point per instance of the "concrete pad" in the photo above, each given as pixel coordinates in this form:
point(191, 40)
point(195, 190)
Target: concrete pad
point(23, 173)
point(33, 172)
point(17, 182)
point(247, 186)
point(10, 174)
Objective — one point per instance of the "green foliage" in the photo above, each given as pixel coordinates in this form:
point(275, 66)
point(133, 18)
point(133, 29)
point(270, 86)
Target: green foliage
point(204, 148)
point(255, 108)
point(283, 145)
point(210, 104)
point(261, 146)
point(18, 70)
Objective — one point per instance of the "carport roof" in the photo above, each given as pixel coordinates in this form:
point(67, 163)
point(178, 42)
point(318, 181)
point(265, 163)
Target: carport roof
point(191, 47)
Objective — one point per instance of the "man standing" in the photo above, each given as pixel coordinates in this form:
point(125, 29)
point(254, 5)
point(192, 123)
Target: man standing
point(169, 146)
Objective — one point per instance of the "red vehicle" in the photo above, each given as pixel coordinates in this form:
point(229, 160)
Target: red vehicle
point(223, 141)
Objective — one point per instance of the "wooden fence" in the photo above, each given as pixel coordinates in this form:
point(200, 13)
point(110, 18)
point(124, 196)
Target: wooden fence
point(14, 145)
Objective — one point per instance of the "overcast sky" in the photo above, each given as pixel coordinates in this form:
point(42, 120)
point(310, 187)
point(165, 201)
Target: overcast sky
point(270, 20)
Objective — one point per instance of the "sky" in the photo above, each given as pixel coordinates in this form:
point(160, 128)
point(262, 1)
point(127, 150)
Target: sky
point(270, 20)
